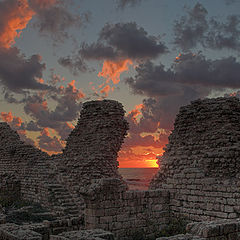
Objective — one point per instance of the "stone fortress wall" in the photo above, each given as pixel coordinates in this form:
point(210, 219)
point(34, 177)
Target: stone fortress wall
point(198, 177)
point(200, 166)
point(90, 153)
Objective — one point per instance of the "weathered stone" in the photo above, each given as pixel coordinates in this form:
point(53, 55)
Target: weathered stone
point(203, 152)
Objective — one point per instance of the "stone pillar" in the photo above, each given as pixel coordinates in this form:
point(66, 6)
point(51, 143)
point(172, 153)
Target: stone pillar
point(92, 147)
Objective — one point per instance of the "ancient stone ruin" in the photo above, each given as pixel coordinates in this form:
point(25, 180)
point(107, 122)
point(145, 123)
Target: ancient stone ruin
point(198, 178)
point(200, 166)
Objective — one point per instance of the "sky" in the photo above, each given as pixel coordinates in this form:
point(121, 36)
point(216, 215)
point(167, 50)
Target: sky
point(153, 56)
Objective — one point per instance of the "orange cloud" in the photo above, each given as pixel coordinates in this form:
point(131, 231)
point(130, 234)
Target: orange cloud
point(45, 132)
point(135, 112)
point(7, 117)
point(38, 106)
point(14, 19)
point(112, 70)
point(106, 90)
point(78, 94)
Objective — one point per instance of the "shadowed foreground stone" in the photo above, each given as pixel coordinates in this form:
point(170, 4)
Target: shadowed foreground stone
point(96, 234)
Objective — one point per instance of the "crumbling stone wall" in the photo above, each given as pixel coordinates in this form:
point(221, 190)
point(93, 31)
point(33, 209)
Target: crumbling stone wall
point(10, 189)
point(111, 207)
point(213, 230)
point(90, 153)
point(92, 147)
point(200, 166)
point(35, 172)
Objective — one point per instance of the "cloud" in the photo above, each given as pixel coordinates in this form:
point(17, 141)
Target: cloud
point(16, 124)
point(116, 42)
point(18, 73)
point(68, 105)
point(228, 2)
point(194, 69)
point(32, 126)
point(53, 17)
point(127, 40)
point(196, 28)
point(121, 4)
point(112, 70)
point(153, 80)
point(48, 143)
point(14, 17)
point(189, 30)
point(224, 35)
point(97, 51)
point(75, 64)
point(188, 69)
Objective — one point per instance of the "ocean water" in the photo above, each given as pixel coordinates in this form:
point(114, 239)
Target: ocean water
point(138, 178)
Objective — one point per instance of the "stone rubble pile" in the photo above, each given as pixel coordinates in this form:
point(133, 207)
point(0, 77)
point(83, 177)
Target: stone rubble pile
point(213, 230)
point(95, 234)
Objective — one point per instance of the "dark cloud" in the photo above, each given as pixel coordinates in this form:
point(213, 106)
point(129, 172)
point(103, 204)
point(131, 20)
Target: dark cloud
point(192, 76)
point(153, 80)
point(196, 69)
point(48, 143)
point(131, 41)
point(53, 17)
point(32, 126)
point(68, 106)
point(224, 35)
point(18, 73)
point(124, 3)
point(228, 2)
point(74, 63)
point(188, 70)
point(189, 30)
point(116, 42)
point(196, 28)
point(97, 51)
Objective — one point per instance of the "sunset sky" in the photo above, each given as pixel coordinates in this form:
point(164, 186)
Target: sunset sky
point(153, 56)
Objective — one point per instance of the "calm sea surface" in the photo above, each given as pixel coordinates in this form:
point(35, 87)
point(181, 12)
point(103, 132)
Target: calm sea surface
point(138, 178)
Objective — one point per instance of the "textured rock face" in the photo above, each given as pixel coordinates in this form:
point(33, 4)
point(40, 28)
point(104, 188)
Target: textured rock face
point(92, 147)
point(91, 153)
point(206, 135)
point(200, 166)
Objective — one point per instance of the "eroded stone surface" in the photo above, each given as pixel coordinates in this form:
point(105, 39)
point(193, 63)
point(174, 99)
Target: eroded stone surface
point(96, 234)
point(90, 153)
point(200, 166)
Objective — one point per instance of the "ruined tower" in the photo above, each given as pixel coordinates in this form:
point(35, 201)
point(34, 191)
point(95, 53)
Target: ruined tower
point(200, 166)
point(92, 147)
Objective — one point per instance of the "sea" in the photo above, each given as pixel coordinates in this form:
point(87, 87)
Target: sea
point(138, 178)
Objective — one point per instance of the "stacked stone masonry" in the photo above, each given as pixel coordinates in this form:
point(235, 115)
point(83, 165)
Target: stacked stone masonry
point(198, 177)
point(125, 213)
point(200, 166)
point(213, 230)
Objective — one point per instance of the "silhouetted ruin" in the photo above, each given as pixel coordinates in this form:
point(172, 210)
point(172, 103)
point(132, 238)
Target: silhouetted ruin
point(82, 190)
